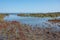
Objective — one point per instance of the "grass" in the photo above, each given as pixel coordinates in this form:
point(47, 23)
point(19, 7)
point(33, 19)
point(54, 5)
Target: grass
point(54, 14)
point(2, 16)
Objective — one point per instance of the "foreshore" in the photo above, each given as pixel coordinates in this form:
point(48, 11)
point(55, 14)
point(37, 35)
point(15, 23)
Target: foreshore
point(16, 31)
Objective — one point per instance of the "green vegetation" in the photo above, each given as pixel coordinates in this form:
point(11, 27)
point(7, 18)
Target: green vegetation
point(55, 14)
point(2, 16)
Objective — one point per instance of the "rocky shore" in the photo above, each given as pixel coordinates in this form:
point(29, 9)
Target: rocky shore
point(14, 30)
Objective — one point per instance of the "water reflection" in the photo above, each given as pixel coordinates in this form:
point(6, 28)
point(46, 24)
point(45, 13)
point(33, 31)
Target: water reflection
point(26, 20)
point(35, 21)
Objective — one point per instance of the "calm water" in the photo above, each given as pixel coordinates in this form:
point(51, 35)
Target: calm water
point(26, 20)
point(33, 21)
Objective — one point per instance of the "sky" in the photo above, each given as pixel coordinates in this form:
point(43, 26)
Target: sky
point(29, 6)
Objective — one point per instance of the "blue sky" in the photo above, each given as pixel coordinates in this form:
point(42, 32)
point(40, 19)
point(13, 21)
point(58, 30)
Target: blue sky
point(29, 6)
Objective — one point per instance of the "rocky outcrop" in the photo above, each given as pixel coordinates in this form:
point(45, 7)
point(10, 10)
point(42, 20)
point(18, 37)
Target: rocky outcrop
point(54, 21)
